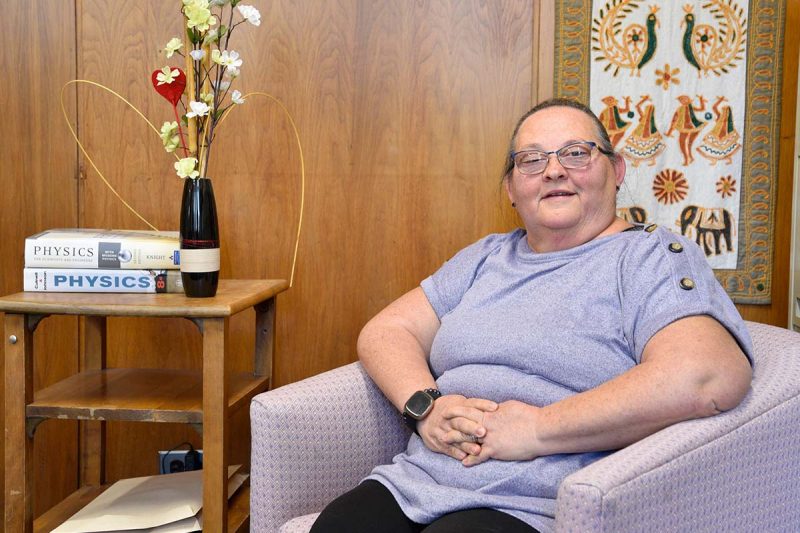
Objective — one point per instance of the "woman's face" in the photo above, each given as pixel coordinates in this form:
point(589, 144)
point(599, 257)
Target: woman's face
point(577, 203)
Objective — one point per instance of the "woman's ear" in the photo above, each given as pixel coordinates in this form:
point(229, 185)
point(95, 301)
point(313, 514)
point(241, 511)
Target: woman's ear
point(507, 185)
point(620, 168)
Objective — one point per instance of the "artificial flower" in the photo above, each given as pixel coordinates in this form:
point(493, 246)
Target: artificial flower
point(226, 58)
point(210, 71)
point(198, 109)
point(169, 136)
point(251, 14)
point(167, 75)
point(173, 46)
point(185, 168)
point(214, 35)
point(198, 15)
point(222, 86)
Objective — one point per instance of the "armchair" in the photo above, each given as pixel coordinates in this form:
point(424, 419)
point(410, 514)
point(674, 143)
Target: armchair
point(737, 471)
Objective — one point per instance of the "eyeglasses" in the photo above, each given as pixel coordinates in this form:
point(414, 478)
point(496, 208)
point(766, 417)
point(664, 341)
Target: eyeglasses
point(576, 155)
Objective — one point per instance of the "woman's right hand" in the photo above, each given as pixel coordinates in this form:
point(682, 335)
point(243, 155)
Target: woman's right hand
point(454, 426)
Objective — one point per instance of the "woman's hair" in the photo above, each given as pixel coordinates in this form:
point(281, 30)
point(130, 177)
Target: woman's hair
point(604, 143)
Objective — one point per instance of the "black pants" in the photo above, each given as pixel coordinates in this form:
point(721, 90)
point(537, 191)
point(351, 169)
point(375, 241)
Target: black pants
point(371, 508)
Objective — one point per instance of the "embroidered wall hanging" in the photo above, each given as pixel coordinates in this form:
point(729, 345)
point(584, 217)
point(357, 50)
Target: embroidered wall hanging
point(690, 94)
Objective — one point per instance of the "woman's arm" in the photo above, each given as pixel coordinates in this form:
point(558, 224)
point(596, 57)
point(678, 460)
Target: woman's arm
point(692, 368)
point(394, 348)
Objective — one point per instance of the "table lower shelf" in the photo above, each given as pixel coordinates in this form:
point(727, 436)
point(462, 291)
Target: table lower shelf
point(137, 394)
point(238, 509)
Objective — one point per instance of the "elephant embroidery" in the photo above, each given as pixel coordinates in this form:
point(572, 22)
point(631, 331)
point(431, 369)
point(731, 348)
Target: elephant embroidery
point(708, 226)
point(633, 214)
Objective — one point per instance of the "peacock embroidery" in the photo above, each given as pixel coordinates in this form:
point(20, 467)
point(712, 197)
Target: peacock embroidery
point(715, 49)
point(623, 46)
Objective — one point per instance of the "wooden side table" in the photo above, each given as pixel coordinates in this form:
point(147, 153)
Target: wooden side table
point(96, 394)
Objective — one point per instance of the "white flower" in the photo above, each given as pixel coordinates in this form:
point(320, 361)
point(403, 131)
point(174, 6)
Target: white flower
point(173, 46)
point(222, 86)
point(166, 75)
point(236, 97)
point(197, 55)
point(199, 109)
point(212, 36)
point(185, 168)
point(232, 72)
point(226, 59)
point(251, 14)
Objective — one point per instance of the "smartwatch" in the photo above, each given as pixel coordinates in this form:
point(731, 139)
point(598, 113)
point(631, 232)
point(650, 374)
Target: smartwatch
point(418, 406)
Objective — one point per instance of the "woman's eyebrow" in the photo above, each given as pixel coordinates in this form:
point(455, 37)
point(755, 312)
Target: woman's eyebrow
point(537, 146)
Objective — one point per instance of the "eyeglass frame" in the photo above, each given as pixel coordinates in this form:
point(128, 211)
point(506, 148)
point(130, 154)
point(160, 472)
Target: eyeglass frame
point(547, 154)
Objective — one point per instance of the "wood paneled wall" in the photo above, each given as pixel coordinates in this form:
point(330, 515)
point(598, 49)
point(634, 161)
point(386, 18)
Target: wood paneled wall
point(404, 110)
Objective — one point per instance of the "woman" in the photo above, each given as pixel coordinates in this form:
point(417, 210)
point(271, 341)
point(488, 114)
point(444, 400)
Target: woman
point(543, 349)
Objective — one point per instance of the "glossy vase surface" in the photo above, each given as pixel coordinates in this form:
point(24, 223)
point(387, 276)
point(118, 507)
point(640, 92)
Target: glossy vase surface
point(199, 239)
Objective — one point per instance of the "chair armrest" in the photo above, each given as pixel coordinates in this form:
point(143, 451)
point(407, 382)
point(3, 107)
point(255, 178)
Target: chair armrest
point(316, 439)
point(736, 471)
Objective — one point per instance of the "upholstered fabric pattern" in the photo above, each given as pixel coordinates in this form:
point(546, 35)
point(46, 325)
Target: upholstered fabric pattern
point(301, 524)
point(737, 471)
point(315, 439)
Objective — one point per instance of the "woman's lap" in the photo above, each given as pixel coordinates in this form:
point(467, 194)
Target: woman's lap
point(371, 507)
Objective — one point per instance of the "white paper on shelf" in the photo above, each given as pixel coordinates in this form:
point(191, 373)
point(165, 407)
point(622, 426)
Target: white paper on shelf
point(167, 503)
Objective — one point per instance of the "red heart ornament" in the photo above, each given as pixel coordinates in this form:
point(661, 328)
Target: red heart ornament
point(171, 91)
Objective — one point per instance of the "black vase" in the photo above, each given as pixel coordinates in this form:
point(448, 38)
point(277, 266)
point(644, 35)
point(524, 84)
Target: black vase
point(199, 237)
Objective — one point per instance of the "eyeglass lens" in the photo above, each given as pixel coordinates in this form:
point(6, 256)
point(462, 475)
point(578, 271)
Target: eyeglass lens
point(572, 156)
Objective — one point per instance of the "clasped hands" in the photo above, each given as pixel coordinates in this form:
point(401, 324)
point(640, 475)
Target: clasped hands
point(473, 430)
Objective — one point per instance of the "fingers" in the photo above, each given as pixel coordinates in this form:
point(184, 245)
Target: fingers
point(476, 459)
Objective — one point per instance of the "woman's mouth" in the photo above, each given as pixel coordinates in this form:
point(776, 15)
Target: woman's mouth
point(558, 194)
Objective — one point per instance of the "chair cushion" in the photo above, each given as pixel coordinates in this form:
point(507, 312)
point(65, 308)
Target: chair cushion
point(301, 524)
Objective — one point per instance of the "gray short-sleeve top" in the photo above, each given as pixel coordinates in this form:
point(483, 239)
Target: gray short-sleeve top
point(538, 327)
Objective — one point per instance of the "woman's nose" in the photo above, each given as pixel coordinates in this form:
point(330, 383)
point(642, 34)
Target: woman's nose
point(554, 169)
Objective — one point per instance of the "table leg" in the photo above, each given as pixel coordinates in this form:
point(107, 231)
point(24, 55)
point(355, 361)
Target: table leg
point(18, 513)
point(265, 338)
point(215, 425)
point(92, 433)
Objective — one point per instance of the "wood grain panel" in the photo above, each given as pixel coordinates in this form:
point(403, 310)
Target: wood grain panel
point(39, 180)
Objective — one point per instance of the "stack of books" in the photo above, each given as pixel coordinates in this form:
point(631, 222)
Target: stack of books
point(93, 260)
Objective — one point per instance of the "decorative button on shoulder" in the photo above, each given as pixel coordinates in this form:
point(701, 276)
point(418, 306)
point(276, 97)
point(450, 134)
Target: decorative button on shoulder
point(675, 247)
point(651, 228)
point(687, 284)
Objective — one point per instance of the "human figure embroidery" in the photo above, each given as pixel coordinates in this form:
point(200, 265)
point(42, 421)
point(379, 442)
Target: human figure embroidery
point(723, 140)
point(611, 118)
point(645, 143)
point(688, 126)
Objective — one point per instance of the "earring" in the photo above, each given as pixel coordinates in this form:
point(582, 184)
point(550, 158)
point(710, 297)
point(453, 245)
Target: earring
point(513, 204)
point(617, 188)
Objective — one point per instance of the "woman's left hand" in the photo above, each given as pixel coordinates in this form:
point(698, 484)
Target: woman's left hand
point(510, 434)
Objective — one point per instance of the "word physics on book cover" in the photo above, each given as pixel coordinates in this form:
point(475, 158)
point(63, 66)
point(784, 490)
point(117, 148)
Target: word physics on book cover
point(101, 280)
point(103, 249)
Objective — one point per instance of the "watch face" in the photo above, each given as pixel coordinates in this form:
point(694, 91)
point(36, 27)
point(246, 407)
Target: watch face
point(419, 404)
